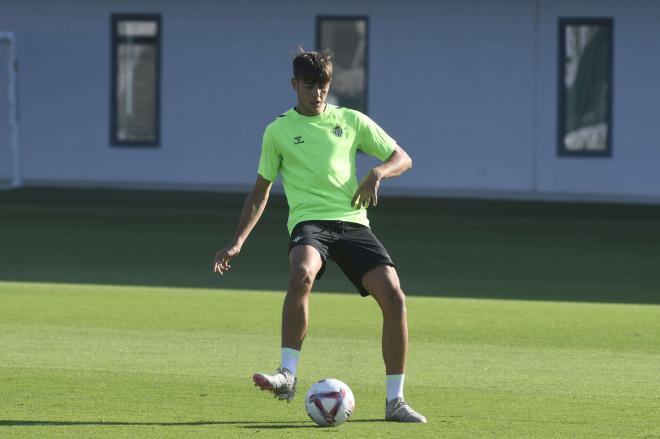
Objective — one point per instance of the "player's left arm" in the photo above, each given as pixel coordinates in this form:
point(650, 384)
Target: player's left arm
point(367, 192)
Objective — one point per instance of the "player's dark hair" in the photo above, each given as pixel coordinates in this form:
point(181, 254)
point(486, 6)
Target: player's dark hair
point(313, 67)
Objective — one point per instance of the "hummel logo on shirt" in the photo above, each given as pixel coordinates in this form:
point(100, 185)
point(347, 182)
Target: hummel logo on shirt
point(297, 140)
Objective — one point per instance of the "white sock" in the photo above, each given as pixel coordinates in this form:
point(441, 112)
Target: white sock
point(394, 386)
point(290, 359)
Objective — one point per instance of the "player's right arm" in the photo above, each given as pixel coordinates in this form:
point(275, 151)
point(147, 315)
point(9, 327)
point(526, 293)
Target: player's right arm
point(253, 207)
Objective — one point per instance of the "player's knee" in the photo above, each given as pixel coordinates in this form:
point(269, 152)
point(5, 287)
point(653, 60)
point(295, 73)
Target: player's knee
point(399, 300)
point(302, 276)
point(394, 301)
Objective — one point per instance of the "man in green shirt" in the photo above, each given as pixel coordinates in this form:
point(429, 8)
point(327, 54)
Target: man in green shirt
point(313, 147)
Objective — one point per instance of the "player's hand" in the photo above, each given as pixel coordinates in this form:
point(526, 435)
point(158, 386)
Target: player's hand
point(367, 191)
point(222, 257)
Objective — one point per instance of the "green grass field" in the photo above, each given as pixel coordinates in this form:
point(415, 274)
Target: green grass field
point(526, 320)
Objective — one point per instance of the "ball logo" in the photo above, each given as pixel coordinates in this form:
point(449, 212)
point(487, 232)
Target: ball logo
point(328, 414)
point(329, 402)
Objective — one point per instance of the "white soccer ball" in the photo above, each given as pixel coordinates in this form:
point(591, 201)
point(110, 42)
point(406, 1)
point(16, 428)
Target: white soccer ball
point(329, 402)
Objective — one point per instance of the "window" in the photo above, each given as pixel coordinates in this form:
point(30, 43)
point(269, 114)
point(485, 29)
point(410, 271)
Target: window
point(135, 80)
point(585, 87)
point(347, 38)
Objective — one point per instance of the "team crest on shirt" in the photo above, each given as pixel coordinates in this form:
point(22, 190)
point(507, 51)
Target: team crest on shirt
point(338, 131)
point(297, 140)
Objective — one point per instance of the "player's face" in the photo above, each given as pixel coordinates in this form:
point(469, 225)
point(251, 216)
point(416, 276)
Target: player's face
point(311, 96)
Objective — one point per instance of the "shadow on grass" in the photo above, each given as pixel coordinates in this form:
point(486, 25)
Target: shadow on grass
point(308, 424)
point(245, 424)
point(27, 423)
point(594, 252)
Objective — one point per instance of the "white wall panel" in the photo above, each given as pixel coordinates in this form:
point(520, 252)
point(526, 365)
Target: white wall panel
point(469, 88)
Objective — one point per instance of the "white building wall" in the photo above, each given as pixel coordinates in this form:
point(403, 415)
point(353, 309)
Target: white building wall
point(454, 84)
point(469, 88)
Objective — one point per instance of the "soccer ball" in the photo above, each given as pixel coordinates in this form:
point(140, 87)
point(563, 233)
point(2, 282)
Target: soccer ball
point(329, 402)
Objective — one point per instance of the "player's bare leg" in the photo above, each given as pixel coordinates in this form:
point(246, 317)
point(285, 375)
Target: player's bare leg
point(305, 262)
point(383, 284)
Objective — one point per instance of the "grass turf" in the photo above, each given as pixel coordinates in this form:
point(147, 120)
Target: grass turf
point(120, 361)
point(111, 324)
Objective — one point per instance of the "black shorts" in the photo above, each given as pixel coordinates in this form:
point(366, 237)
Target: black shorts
point(352, 246)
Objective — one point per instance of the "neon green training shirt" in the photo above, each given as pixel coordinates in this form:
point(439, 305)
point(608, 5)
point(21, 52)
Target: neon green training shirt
point(316, 157)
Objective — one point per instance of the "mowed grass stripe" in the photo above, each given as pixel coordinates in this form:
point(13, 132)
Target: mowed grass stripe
point(107, 361)
point(616, 327)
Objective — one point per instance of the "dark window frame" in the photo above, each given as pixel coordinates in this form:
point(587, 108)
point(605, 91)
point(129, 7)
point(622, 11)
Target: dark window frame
point(116, 40)
point(561, 101)
point(320, 18)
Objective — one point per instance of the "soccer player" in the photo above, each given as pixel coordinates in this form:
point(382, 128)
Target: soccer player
point(313, 147)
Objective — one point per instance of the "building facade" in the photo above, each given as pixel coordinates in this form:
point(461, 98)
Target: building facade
point(520, 98)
